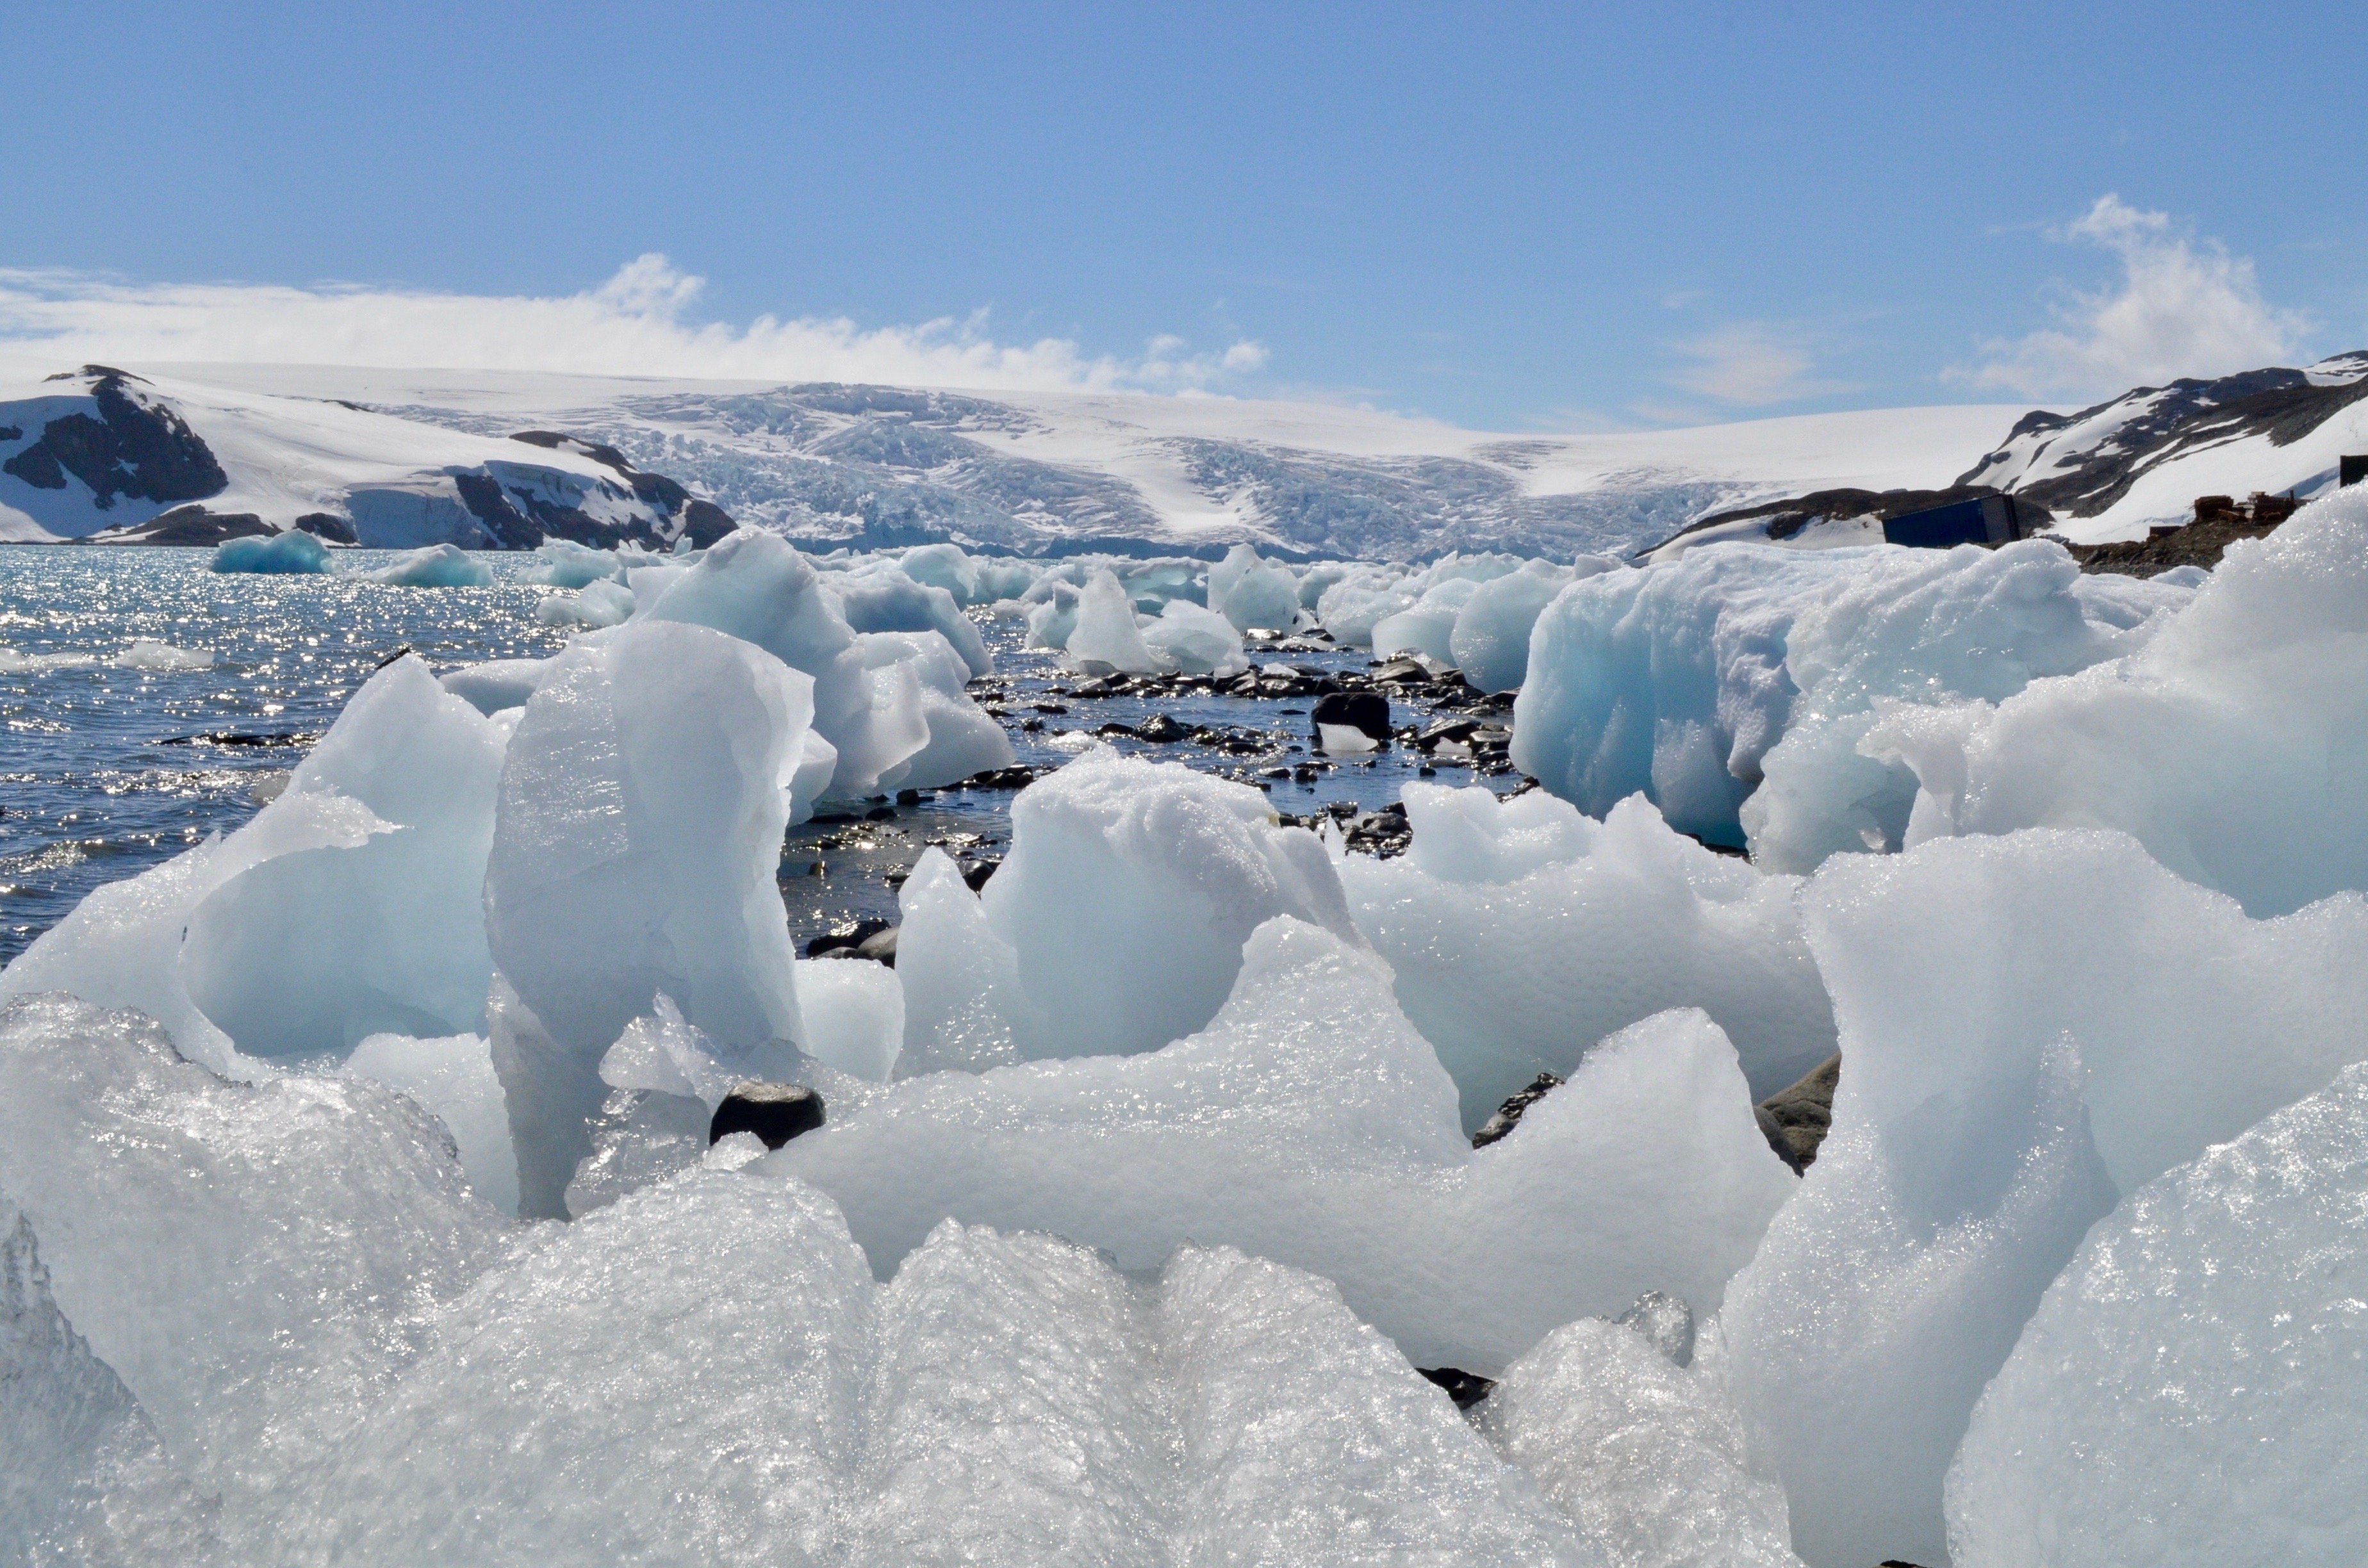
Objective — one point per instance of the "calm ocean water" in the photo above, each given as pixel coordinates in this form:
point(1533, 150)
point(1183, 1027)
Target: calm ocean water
point(145, 698)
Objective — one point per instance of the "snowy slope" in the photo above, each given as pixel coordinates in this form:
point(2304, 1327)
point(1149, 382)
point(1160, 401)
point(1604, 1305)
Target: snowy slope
point(98, 451)
point(2111, 470)
point(1070, 471)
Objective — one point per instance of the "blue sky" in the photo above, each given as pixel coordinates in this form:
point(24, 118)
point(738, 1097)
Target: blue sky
point(1510, 216)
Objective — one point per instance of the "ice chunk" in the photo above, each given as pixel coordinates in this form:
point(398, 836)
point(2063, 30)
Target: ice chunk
point(162, 658)
point(454, 1079)
point(1646, 1455)
point(121, 946)
point(1052, 619)
point(881, 599)
point(293, 552)
point(918, 676)
point(1522, 932)
point(1350, 607)
point(308, 951)
point(854, 1014)
point(1309, 1123)
point(753, 586)
point(2231, 744)
point(564, 564)
point(2030, 1026)
point(1490, 640)
point(252, 1261)
point(1004, 1399)
point(1426, 627)
point(959, 977)
point(635, 853)
point(712, 1323)
point(1253, 593)
point(1106, 636)
point(597, 604)
point(1196, 640)
point(2194, 1389)
point(1126, 897)
point(497, 684)
point(945, 568)
point(2012, 941)
point(435, 566)
point(1680, 680)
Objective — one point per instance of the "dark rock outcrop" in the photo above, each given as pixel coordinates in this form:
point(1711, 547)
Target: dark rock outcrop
point(774, 1112)
point(184, 525)
point(2197, 544)
point(132, 447)
point(1508, 1115)
point(1466, 1388)
point(1795, 1119)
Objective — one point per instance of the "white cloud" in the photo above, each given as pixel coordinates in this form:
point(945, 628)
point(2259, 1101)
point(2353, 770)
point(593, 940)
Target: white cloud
point(1751, 364)
point(2183, 308)
point(632, 324)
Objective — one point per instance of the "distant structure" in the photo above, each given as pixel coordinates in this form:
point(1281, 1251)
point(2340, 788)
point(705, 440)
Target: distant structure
point(2257, 507)
point(2349, 470)
point(1986, 520)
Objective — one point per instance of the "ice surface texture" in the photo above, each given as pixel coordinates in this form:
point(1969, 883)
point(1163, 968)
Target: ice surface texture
point(1311, 1124)
point(2194, 1389)
point(251, 1261)
point(2029, 1027)
point(2233, 744)
point(1680, 679)
point(1522, 933)
point(81, 1474)
point(1004, 1400)
point(1645, 1454)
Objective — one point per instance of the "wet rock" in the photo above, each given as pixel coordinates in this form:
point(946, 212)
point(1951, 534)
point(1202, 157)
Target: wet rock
point(847, 941)
point(974, 874)
point(1795, 1119)
point(1015, 777)
point(1365, 711)
point(1466, 1388)
point(1508, 1115)
point(1161, 729)
point(774, 1112)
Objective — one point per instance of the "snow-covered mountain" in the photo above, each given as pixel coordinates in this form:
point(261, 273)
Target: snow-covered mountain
point(410, 457)
point(104, 455)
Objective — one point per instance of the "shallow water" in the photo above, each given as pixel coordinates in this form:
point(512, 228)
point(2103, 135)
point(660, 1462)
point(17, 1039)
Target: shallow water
point(110, 768)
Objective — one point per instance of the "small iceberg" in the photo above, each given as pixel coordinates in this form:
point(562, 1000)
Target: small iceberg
point(438, 566)
point(290, 554)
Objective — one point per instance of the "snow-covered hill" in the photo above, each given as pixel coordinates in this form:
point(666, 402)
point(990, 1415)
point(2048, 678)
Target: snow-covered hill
point(411, 457)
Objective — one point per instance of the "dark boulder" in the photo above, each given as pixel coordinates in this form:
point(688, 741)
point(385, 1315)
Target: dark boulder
point(1365, 711)
point(774, 1112)
point(1795, 1119)
point(1162, 729)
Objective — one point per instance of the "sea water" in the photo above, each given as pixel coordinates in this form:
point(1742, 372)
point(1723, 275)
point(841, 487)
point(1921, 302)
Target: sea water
point(149, 701)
